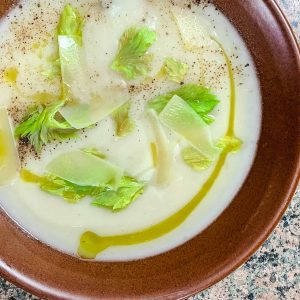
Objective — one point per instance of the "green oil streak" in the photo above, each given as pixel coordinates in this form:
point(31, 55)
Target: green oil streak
point(230, 130)
point(91, 244)
point(3, 149)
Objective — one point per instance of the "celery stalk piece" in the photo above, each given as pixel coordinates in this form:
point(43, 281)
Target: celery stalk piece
point(84, 169)
point(9, 159)
point(70, 60)
point(128, 191)
point(181, 118)
point(84, 114)
point(164, 158)
point(83, 109)
point(195, 31)
point(200, 98)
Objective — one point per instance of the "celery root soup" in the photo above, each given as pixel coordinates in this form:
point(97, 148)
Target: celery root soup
point(126, 126)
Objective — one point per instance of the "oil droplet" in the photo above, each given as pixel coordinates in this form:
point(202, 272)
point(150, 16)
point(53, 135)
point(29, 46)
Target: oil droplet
point(91, 244)
point(154, 153)
point(10, 75)
point(29, 177)
point(44, 98)
point(3, 148)
point(9, 160)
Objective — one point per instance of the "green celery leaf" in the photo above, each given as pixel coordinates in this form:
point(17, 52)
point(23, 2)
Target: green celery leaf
point(132, 60)
point(174, 69)
point(54, 185)
point(124, 123)
point(230, 144)
point(93, 108)
point(193, 158)
point(44, 124)
point(198, 97)
point(129, 189)
point(104, 195)
point(69, 191)
point(71, 24)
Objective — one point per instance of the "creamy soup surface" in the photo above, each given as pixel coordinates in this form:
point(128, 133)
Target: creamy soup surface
point(28, 38)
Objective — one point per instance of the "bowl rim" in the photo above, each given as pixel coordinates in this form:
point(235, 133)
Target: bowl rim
point(235, 264)
point(34, 288)
point(291, 36)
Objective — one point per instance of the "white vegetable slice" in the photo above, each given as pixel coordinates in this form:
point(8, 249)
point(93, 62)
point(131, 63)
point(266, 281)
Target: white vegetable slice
point(86, 108)
point(84, 169)
point(195, 31)
point(9, 160)
point(82, 115)
point(165, 159)
point(181, 118)
point(71, 62)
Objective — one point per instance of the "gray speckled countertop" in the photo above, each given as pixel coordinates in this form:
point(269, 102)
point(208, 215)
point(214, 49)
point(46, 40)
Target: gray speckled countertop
point(273, 273)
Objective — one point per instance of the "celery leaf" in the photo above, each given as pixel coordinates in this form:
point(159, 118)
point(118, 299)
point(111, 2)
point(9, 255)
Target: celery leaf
point(57, 186)
point(69, 191)
point(71, 24)
point(44, 124)
point(129, 189)
point(132, 59)
point(124, 123)
point(175, 70)
point(194, 159)
point(198, 97)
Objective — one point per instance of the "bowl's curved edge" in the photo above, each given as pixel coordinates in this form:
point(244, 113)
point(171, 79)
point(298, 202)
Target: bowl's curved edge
point(293, 186)
point(35, 288)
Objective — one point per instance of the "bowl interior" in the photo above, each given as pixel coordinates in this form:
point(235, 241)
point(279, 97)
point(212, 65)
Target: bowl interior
point(235, 235)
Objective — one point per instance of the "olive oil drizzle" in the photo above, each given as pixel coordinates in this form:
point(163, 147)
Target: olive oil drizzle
point(91, 244)
point(231, 125)
point(3, 148)
point(153, 149)
point(10, 75)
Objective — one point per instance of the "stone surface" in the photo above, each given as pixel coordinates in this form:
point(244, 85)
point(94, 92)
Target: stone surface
point(273, 273)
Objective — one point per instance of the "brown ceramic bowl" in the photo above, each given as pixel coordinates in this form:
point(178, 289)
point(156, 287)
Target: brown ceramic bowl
point(235, 235)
